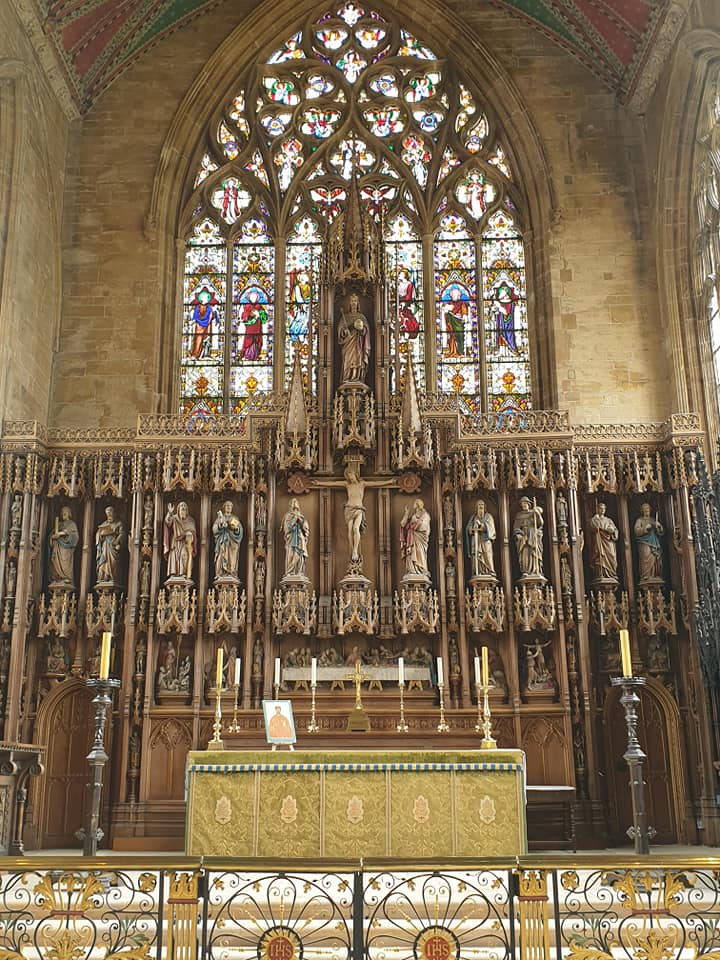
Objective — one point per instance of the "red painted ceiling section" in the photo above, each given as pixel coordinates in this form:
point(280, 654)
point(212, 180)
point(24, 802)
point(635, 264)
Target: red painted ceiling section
point(94, 48)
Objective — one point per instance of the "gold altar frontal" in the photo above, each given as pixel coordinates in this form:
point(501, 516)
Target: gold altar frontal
point(350, 804)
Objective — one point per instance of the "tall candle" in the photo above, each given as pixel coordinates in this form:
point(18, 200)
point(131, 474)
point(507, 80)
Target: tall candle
point(313, 671)
point(477, 671)
point(440, 677)
point(625, 654)
point(485, 667)
point(238, 667)
point(105, 656)
point(401, 671)
point(277, 671)
point(219, 669)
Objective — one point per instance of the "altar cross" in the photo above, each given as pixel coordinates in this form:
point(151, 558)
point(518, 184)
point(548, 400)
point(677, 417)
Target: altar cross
point(358, 678)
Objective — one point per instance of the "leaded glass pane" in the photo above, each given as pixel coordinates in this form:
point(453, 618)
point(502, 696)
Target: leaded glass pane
point(403, 252)
point(253, 315)
point(202, 364)
point(507, 347)
point(458, 345)
point(302, 300)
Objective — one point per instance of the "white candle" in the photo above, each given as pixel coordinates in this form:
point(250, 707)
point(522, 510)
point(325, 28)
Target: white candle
point(277, 671)
point(477, 671)
point(238, 664)
point(440, 676)
point(313, 671)
point(401, 671)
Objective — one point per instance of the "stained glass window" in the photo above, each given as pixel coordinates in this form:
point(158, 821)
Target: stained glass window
point(458, 347)
point(253, 314)
point(354, 95)
point(302, 296)
point(403, 251)
point(507, 350)
point(707, 207)
point(202, 368)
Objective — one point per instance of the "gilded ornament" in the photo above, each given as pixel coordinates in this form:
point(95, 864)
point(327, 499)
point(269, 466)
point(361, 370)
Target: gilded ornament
point(288, 809)
point(487, 809)
point(355, 813)
point(223, 810)
point(421, 809)
point(436, 943)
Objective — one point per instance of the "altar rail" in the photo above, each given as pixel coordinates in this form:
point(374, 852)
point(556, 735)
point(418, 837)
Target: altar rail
point(581, 908)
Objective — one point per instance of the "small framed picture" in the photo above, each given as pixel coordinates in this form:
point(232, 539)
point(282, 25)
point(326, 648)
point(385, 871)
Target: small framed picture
point(279, 722)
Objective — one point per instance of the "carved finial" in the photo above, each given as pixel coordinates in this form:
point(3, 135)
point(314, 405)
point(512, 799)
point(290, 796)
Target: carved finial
point(296, 419)
point(411, 416)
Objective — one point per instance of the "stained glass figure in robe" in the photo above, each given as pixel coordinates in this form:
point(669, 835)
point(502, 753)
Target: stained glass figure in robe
point(506, 330)
point(456, 309)
point(253, 314)
point(403, 251)
point(303, 259)
point(202, 370)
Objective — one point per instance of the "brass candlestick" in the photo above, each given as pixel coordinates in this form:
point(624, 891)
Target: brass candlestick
point(484, 724)
point(402, 727)
point(216, 743)
point(313, 725)
point(443, 726)
point(234, 727)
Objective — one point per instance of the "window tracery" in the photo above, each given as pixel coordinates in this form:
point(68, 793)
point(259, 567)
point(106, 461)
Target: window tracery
point(707, 206)
point(354, 94)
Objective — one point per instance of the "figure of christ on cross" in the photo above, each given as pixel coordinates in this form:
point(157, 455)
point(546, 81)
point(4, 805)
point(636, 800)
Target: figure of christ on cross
point(358, 678)
point(355, 514)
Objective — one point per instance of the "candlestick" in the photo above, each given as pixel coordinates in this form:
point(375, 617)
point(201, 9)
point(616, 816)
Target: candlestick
point(484, 724)
point(402, 726)
point(485, 667)
point(625, 654)
point(91, 831)
point(234, 727)
point(238, 666)
point(219, 669)
point(217, 742)
point(440, 677)
point(104, 671)
point(641, 833)
point(276, 681)
point(443, 726)
point(313, 726)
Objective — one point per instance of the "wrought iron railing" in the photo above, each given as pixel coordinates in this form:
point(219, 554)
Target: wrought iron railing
point(570, 908)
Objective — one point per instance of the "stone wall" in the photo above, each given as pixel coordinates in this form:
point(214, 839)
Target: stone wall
point(33, 143)
point(598, 321)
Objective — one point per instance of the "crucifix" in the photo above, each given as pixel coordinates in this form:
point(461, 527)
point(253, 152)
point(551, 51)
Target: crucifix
point(358, 720)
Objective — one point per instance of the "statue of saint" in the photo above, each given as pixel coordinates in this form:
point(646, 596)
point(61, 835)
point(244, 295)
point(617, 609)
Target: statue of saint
point(603, 550)
point(415, 539)
point(108, 541)
point(648, 531)
point(296, 532)
point(354, 339)
point(479, 536)
point(63, 540)
point(528, 536)
point(179, 541)
point(16, 508)
point(228, 533)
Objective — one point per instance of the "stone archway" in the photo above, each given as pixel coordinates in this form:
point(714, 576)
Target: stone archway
point(659, 736)
point(65, 726)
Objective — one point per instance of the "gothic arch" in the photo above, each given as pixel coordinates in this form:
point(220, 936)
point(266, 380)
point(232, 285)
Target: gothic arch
point(697, 55)
point(63, 712)
point(659, 700)
point(271, 23)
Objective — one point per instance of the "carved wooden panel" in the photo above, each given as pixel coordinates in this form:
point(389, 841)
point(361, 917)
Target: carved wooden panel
point(544, 743)
point(170, 740)
point(69, 724)
point(660, 792)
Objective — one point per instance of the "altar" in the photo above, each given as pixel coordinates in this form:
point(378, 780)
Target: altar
point(352, 804)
